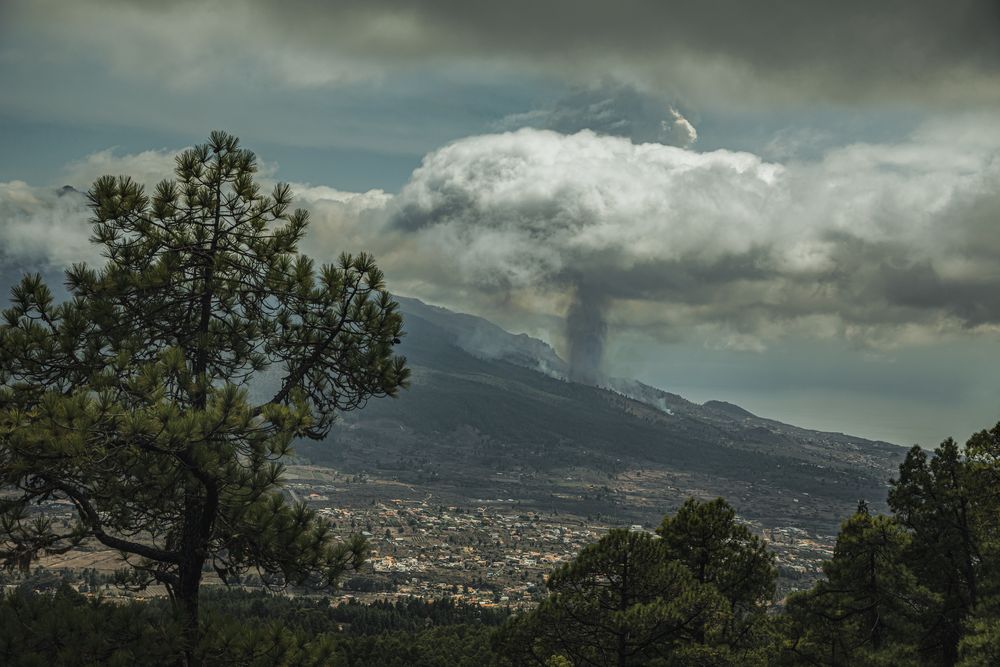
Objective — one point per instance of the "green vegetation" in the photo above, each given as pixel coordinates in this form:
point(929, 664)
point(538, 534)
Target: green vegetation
point(64, 627)
point(921, 585)
point(132, 400)
point(870, 606)
point(695, 594)
point(918, 586)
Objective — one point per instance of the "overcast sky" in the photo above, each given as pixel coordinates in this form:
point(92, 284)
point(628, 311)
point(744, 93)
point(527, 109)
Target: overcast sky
point(790, 205)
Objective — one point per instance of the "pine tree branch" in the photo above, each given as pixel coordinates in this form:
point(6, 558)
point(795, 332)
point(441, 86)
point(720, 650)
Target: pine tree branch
point(93, 521)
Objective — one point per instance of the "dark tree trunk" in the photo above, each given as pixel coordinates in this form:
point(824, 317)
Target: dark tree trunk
point(199, 509)
point(186, 598)
point(193, 555)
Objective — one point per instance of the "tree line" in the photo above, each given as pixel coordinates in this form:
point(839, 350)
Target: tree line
point(916, 586)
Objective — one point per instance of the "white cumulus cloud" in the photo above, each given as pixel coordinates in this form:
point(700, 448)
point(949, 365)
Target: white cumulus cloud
point(875, 243)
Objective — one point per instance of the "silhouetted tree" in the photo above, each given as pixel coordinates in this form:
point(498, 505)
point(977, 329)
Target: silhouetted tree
point(132, 400)
point(935, 499)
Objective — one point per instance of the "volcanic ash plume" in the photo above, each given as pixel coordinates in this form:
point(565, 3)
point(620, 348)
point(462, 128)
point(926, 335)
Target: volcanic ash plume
point(585, 333)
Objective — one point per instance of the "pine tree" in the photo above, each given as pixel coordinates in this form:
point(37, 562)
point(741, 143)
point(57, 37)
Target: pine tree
point(936, 500)
point(619, 602)
point(982, 452)
point(720, 552)
point(132, 400)
point(980, 642)
point(697, 595)
point(870, 609)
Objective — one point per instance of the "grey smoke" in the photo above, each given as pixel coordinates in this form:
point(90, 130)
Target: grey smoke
point(874, 243)
point(614, 109)
point(586, 330)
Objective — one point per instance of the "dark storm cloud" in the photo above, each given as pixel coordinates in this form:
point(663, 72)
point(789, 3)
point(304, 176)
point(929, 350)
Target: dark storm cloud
point(923, 50)
point(861, 38)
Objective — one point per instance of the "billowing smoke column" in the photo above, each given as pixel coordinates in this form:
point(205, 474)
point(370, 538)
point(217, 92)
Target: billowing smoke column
point(722, 243)
point(586, 329)
point(539, 212)
point(880, 243)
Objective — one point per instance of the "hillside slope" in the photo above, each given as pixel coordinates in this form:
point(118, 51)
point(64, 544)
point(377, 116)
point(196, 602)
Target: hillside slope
point(489, 419)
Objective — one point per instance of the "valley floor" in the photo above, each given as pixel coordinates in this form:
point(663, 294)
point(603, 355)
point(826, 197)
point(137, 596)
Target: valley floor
point(495, 552)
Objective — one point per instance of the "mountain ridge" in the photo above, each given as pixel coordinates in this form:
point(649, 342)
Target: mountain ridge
point(485, 419)
point(519, 348)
